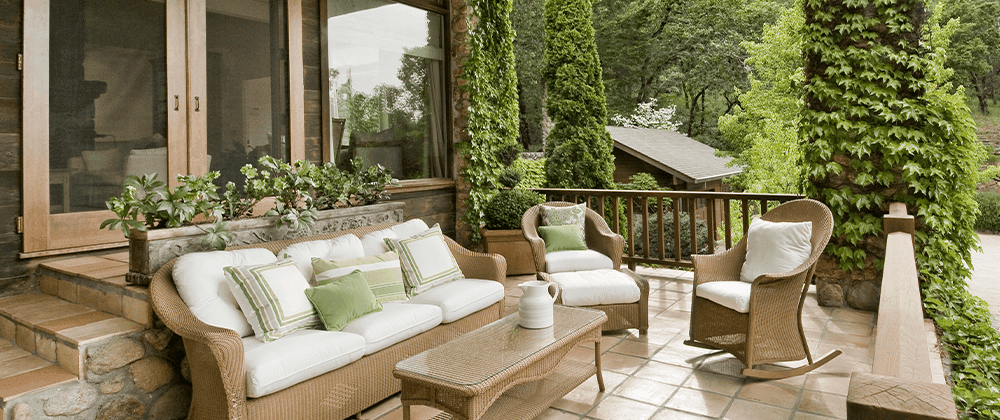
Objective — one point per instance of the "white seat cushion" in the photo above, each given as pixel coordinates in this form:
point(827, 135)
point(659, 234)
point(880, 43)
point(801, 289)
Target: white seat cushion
point(597, 287)
point(461, 297)
point(296, 357)
point(562, 261)
point(775, 247)
point(734, 295)
point(396, 322)
point(339, 248)
point(201, 282)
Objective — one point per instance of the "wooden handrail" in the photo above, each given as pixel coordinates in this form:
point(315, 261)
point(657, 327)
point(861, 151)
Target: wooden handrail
point(711, 208)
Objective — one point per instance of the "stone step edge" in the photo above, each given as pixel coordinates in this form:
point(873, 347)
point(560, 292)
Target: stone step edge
point(130, 302)
point(58, 349)
point(38, 380)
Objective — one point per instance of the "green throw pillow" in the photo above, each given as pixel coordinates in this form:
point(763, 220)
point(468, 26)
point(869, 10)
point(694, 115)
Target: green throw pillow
point(570, 215)
point(343, 300)
point(562, 238)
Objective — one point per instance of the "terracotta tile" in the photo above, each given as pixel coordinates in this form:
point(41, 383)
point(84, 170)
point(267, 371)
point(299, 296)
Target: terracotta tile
point(829, 383)
point(699, 402)
point(68, 358)
point(855, 316)
point(90, 297)
point(644, 390)
point(118, 270)
point(115, 281)
point(668, 414)
point(49, 285)
point(47, 311)
point(637, 349)
point(68, 290)
point(830, 405)
point(660, 335)
point(45, 347)
point(682, 356)
point(70, 263)
point(12, 303)
point(675, 314)
point(5, 344)
point(553, 414)
point(25, 338)
point(713, 382)
point(800, 415)
point(99, 330)
point(810, 323)
point(137, 310)
point(581, 354)
point(14, 386)
point(87, 270)
point(723, 364)
point(579, 400)
point(57, 325)
point(662, 372)
point(770, 393)
point(617, 408)
point(8, 330)
point(748, 410)
point(417, 412)
point(21, 365)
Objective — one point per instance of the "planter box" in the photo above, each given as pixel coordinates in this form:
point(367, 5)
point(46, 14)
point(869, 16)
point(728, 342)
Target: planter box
point(149, 250)
point(514, 248)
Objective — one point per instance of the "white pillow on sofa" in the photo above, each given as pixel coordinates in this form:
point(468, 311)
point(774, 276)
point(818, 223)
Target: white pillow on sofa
point(374, 243)
point(341, 247)
point(775, 247)
point(426, 260)
point(201, 283)
point(272, 297)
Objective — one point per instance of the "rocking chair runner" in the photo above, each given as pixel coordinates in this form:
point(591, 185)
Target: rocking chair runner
point(771, 330)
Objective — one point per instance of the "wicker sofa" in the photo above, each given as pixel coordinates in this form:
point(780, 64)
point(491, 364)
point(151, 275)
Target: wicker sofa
point(216, 355)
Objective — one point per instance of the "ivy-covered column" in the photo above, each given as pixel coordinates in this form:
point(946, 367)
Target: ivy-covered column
point(485, 114)
point(881, 125)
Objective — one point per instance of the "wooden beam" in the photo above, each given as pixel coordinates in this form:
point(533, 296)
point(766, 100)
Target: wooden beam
point(897, 220)
point(873, 397)
point(900, 342)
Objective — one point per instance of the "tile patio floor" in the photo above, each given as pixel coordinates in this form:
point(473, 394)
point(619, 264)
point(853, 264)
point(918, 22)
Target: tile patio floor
point(657, 377)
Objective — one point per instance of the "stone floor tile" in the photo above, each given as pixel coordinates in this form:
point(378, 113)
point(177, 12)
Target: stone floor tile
point(645, 390)
point(669, 414)
point(713, 382)
point(801, 415)
point(659, 336)
point(823, 403)
point(699, 402)
point(829, 383)
point(863, 330)
point(580, 400)
point(852, 315)
point(417, 412)
point(582, 354)
point(662, 372)
point(723, 363)
point(378, 410)
point(553, 414)
point(847, 340)
point(814, 323)
point(770, 393)
point(618, 408)
point(749, 410)
point(635, 348)
point(620, 363)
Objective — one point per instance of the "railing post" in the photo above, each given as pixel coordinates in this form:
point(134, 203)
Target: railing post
point(897, 220)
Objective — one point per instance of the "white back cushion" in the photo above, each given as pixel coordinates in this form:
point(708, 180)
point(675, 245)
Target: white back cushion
point(342, 247)
point(409, 228)
point(373, 243)
point(775, 247)
point(201, 282)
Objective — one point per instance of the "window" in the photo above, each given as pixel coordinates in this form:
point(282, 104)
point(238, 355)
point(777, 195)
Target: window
point(387, 91)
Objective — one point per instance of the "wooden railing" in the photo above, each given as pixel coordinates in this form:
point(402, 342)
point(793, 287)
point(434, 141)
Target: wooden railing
point(712, 209)
point(901, 384)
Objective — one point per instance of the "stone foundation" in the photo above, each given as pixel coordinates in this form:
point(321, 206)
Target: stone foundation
point(858, 289)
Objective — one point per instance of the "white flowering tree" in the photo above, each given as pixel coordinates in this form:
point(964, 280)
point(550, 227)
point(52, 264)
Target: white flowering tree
point(647, 115)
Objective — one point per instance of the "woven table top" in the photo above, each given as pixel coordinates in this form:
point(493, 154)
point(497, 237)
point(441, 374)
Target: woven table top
point(494, 349)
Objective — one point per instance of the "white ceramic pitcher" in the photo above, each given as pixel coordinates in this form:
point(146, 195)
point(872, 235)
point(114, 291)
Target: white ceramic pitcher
point(535, 307)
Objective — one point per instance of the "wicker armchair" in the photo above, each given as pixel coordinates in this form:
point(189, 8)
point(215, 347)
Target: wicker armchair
point(771, 331)
point(599, 238)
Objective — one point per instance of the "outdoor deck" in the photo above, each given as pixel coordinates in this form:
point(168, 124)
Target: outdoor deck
point(658, 377)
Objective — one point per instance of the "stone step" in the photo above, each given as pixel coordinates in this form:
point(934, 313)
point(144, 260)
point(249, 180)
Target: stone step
point(59, 331)
point(22, 373)
point(98, 282)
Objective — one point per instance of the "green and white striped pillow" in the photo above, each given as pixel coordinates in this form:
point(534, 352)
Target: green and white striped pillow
point(384, 276)
point(272, 297)
point(426, 260)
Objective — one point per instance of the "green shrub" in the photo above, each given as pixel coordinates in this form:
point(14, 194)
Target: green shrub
point(532, 172)
point(509, 178)
point(989, 216)
point(505, 208)
point(701, 231)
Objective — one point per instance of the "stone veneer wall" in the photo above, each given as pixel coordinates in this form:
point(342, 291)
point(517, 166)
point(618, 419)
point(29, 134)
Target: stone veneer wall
point(141, 375)
point(460, 104)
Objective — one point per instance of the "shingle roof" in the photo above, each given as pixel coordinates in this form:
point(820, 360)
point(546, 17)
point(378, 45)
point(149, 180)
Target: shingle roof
point(673, 152)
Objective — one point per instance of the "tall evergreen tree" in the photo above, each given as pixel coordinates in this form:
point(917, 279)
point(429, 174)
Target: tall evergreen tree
point(578, 149)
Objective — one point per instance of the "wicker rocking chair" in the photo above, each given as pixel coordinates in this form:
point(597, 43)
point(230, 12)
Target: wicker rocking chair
point(770, 331)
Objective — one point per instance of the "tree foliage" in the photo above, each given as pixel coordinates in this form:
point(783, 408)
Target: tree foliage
point(493, 115)
point(578, 149)
point(764, 129)
point(529, 49)
point(974, 52)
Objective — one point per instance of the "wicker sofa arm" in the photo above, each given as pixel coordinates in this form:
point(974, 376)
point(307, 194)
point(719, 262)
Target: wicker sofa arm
point(478, 265)
point(719, 267)
point(225, 344)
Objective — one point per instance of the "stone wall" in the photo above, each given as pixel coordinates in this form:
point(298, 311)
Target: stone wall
point(460, 103)
point(142, 375)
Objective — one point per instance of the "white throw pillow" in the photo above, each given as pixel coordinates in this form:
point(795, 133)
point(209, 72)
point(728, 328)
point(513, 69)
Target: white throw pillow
point(426, 260)
point(374, 243)
point(272, 296)
point(201, 283)
point(775, 247)
point(341, 247)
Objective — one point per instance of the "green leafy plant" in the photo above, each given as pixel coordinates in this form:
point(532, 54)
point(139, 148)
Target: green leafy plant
point(368, 186)
point(701, 234)
point(532, 172)
point(989, 208)
point(331, 186)
point(505, 209)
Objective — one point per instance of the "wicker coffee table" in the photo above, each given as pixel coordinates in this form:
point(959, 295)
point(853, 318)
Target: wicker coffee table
point(503, 371)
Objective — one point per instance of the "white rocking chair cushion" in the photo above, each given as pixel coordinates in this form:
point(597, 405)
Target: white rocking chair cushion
point(563, 261)
point(775, 247)
point(734, 295)
point(597, 287)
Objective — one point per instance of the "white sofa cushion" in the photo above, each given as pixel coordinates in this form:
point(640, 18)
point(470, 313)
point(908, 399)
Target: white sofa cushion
point(734, 295)
point(562, 261)
point(597, 287)
point(775, 247)
point(396, 322)
point(341, 247)
point(201, 283)
point(298, 356)
point(409, 228)
point(460, 298)
point(374, 243)
point(272, 297)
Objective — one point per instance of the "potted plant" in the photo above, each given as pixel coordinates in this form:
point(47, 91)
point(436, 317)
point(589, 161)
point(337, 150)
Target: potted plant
point(502, 229)
point(303, 199)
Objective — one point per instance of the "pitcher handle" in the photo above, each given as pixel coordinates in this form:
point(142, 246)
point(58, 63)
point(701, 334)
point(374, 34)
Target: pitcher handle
point(555, 295)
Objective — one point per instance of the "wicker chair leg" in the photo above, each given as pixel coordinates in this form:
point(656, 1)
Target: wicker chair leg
point(781, 374)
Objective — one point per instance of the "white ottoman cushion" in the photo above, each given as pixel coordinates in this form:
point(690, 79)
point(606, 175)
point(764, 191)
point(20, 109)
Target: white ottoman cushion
point(339, 248)
point(202, 285)
point(562, 261)
point(597, 287)
point(396, 322)
point(734, 295)
point(461, 297)
point(296, 357)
